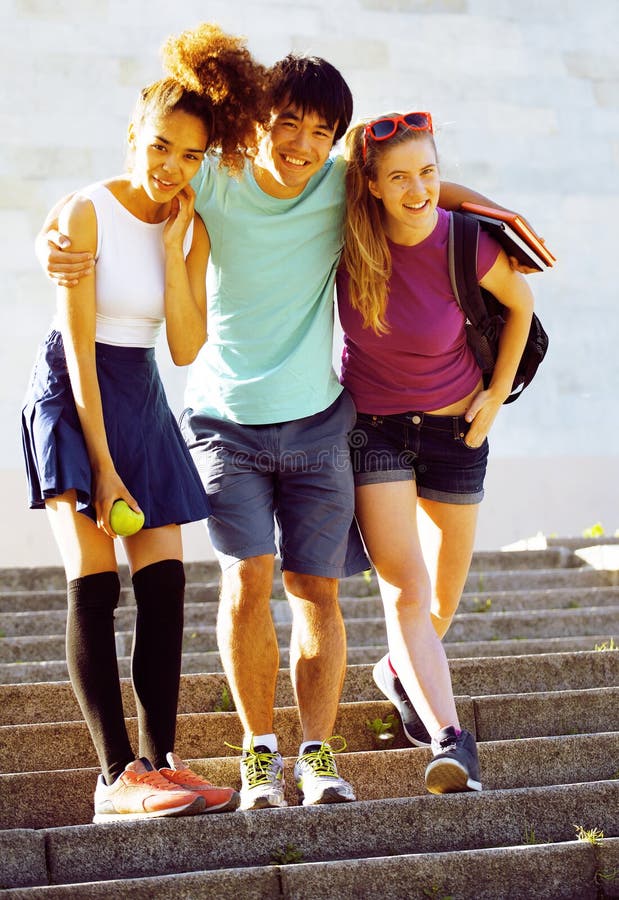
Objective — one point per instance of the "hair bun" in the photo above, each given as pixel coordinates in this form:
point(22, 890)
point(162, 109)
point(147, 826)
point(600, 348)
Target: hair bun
point(201, 60)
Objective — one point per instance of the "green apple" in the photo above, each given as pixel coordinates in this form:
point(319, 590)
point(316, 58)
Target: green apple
point(124, 520)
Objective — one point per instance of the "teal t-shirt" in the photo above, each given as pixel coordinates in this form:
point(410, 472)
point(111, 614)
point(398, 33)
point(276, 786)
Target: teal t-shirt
point(268, 357)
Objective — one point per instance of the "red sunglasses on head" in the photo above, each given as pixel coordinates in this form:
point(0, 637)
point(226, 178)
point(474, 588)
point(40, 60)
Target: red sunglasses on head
point(384, 128)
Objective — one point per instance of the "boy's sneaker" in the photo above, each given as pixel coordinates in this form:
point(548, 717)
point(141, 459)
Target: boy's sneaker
point(316, 776)
point(140, 792)
point(391, 686)
point(455, 766)
point(262, 778)
point(217, 799)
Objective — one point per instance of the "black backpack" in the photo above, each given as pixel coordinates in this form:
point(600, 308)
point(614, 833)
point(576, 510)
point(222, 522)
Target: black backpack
point(484, 313)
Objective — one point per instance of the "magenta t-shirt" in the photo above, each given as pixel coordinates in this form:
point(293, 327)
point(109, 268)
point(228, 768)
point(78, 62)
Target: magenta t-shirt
point(424, 362)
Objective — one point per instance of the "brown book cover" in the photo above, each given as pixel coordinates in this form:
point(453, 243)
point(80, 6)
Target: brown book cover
point(512, 232)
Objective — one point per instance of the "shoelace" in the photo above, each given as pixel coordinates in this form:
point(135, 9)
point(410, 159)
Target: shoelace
point(190, 777)
point(257, 765)
point(321, 761)
point(154, 779)
point(448, 743)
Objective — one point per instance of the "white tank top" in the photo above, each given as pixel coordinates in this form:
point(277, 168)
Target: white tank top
point(129, 272)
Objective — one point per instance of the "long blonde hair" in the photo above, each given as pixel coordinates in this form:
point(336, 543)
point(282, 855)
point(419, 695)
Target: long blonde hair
point(366, 252)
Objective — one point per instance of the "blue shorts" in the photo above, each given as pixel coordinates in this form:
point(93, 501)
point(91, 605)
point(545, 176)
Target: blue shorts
point(421, 447)
point(296, 473)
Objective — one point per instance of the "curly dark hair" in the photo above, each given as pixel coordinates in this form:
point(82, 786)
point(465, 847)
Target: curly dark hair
point(212, 75)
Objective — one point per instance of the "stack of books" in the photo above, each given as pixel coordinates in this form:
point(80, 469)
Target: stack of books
point(515, 236)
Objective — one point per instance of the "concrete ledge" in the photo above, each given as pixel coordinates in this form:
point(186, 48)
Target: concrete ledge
point(533, 715)
point(53, 577)
point(552, 872)
point(51, 620)
point(567, 871)
point(58, 798)
point(255, 883)
point(528, 646)
point(22, 858)
point(200, 663)
point(382, 827)
point(55, 701)
point(466, 627)
point(67, 745)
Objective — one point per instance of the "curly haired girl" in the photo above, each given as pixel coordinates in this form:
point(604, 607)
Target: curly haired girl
point(96, 425)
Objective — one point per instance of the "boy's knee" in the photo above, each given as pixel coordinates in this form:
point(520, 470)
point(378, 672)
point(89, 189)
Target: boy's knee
point(313, 588)
point(250, 579)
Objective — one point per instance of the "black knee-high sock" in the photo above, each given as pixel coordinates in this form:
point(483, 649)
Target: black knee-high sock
point(93, 667)
point(157, 647)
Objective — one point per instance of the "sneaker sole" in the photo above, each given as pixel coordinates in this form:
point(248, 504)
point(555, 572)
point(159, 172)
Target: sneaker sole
point(262, 803)
point(393, 697)
point(446, 776)
point(229, 806)
point(329, 795)
point(190, 809)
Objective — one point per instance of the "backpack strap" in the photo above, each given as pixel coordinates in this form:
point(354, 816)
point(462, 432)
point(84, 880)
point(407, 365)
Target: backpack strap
point(462, 260)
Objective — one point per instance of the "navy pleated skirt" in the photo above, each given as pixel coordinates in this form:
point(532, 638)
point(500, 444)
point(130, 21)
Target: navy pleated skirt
point(145, 442)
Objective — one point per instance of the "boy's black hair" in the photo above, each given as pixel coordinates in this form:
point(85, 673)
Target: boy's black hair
point(311, 83)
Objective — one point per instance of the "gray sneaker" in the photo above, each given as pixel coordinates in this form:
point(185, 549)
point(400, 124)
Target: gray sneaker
point(262, 778)
point(316, 776)
point(455, 766)
point(391, 686)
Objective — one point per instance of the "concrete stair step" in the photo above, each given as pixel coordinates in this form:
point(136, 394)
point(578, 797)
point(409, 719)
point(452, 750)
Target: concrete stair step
point(488, 626)
point(379, 828)
point(66, 745)
point(573, 870)
point(53, 577)
point(56, 670)
point(55, 702)
point(204, 586)
point(50, 620)
point(59, 797)
point(511, 587)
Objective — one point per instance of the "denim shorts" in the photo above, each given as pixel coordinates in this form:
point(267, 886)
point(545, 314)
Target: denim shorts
point(421, 447)
point(295, 473)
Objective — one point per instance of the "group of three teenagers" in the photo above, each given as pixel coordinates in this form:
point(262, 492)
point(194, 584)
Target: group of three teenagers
point(262, 395)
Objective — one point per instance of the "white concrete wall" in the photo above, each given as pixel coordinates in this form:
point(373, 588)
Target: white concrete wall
point(526, 98)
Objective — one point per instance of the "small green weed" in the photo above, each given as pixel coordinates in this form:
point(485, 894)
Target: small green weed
point(573, 604)
point(226, 704)
point(594, 531)
point(436, 893)
point(481, 606)
point(606, 645)
point(383, 731)
point(602, 878)
point(591, 835)
point(286, 857)
point(529, 836)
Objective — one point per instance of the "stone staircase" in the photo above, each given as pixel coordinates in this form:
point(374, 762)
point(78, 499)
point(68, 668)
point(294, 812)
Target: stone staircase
point(528, 680)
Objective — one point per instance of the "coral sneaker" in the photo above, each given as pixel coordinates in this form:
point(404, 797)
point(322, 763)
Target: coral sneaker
point(217, 799)
point(140, 792)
